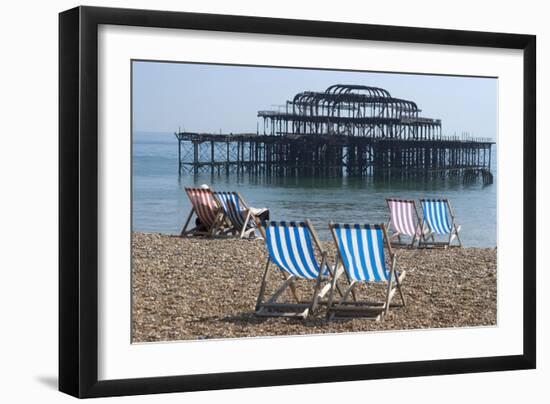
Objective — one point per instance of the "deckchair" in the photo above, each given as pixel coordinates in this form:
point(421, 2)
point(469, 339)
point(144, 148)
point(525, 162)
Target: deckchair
point(207, 210)
point(290, 247)
point(237, 212)
point(404, 221)
point(438, 216)
point(361, 253)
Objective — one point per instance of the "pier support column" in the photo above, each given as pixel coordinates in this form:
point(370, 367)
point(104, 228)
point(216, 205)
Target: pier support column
point(195, 158)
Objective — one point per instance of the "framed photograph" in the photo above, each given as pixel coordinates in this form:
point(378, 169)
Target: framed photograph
point(251, 201)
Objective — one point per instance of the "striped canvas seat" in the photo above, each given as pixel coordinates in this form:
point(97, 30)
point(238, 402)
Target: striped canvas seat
point(439, 218)
point(207, 211)
point(235, 209)
point(290, 248)
point(403, 216)
point(204, 204)
point(436, 215)
point(362, 250)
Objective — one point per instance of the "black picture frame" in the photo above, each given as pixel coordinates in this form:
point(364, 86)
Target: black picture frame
point(78, 201)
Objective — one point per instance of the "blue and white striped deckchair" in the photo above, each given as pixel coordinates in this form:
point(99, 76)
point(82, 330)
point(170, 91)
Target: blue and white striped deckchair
point(237, 212)
point(439, 218)
point(361, 251)
point(291, 247)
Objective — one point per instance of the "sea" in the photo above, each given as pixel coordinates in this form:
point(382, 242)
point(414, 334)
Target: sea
point(159, 202)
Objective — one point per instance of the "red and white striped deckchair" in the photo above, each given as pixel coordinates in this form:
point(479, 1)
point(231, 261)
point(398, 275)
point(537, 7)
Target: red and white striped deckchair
point(207, 210)
point(404, 221)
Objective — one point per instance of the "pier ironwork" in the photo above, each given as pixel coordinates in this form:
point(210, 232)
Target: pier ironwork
point(346, 130)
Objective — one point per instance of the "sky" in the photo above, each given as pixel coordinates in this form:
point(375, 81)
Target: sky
point(202, 98)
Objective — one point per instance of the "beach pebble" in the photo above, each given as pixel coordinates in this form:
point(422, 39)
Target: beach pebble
point(194, 288)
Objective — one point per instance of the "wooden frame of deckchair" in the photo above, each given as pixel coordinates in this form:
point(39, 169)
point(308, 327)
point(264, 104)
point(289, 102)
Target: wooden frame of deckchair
point(300, 309)
point(397, 234)
point(210, 230)
point(345, 309)
point(455, 229)
point(248, 216)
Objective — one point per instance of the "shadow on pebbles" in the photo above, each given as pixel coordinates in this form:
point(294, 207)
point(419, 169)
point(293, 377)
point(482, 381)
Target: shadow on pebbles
point(195, 288)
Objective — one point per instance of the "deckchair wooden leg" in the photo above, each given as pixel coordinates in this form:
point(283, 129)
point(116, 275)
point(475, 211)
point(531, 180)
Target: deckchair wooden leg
point(292, 287)
point(451, 238)
point(397, 281)
point(330, 312)
point(337, 275)
point(422, 239)
point(245, 225)
point(187, 222)
point(413, 240)
point(388, 295)
point(315, 298)
point(294, 291)
point(458, 238)
point(210, 231)
point(337, 272)
point(316, 295)
point(264, 308)
point(333, 284)
point(262, 287)
point(217, 225)
point(289, 281)
point(349, 290)
point(399, 289)
point(353, 295)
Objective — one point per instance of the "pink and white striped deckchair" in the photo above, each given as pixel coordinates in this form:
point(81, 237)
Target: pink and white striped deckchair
point(404, 221)
point(207, 210)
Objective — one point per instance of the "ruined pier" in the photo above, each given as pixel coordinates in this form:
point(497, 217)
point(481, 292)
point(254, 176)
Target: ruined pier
point(347, 130)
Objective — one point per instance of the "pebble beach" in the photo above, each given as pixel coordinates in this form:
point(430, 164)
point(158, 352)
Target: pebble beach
point(194, 289)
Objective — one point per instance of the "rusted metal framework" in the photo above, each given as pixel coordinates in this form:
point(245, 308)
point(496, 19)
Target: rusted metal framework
point(346, 130)
point(351, 110)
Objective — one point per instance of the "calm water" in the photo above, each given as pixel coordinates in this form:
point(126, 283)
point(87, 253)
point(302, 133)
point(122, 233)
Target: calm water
point(160, 203)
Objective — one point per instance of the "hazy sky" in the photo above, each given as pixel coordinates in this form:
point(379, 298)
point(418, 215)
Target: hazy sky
point(210, 98)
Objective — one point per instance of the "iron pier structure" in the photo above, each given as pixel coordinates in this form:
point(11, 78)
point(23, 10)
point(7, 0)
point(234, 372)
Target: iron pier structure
point(348, 130)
